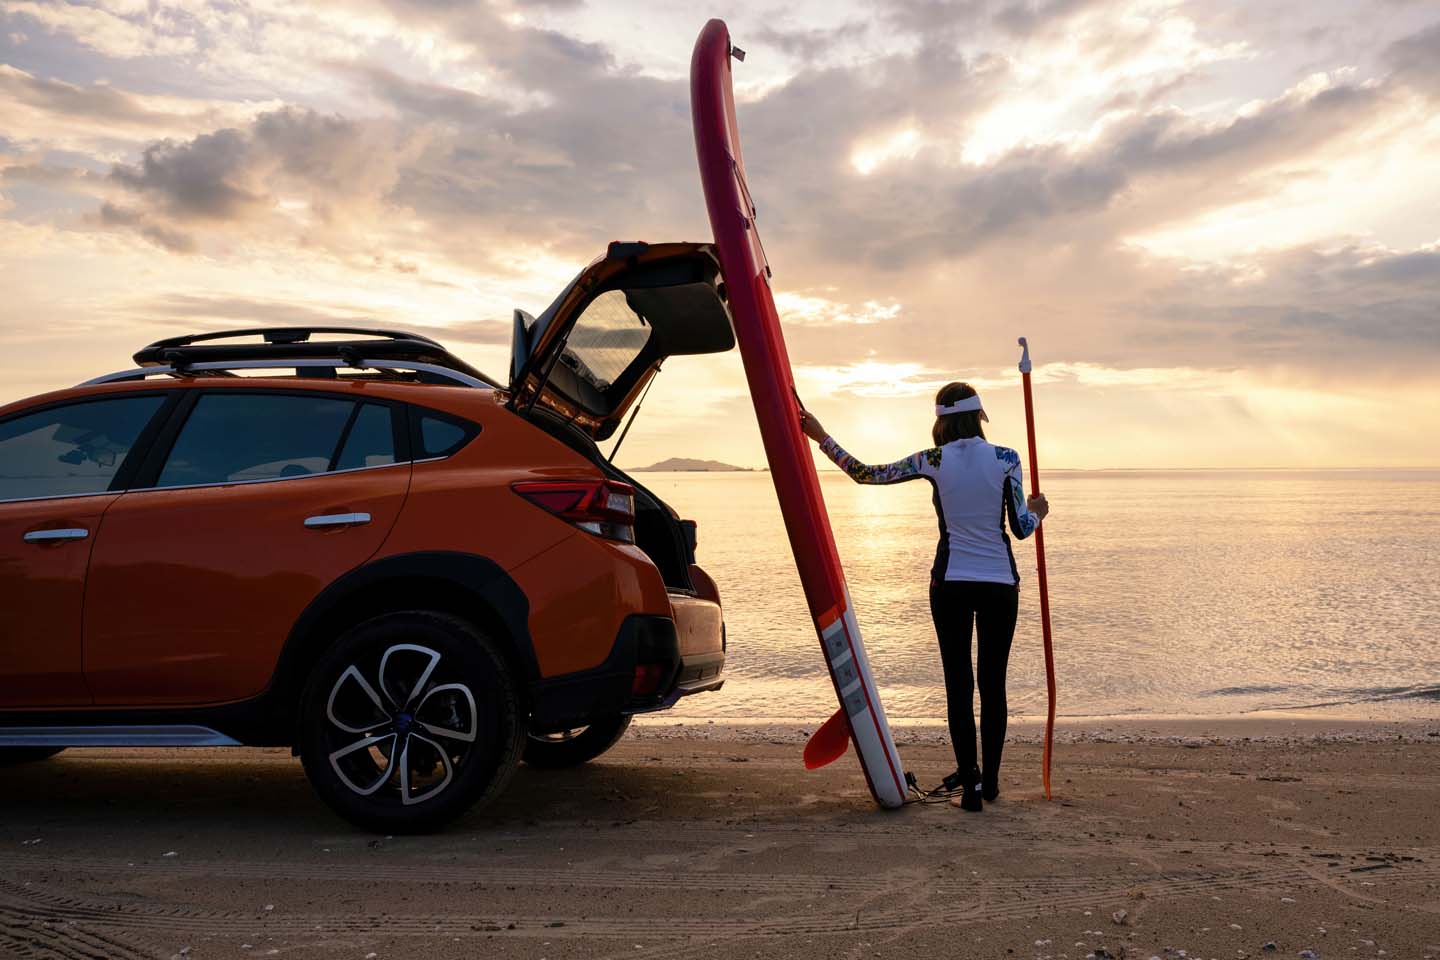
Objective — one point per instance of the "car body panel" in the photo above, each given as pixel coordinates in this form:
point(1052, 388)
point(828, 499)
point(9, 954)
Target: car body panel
point(698, 625)
point(582, 590)
point(42, 591)
point(463, 501)
point(192, 591)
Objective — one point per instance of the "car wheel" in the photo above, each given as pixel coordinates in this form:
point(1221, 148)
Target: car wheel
point(9, 756)
point(409, 720)
point(570, 748)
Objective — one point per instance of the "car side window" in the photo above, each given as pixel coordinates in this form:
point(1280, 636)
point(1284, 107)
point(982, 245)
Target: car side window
point(371, 440)
point(441, 436)
point(239, 437)
point(70, 450)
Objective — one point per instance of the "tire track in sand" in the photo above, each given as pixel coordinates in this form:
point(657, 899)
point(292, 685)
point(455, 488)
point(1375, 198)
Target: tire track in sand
point(28, 936)
point(91, 912)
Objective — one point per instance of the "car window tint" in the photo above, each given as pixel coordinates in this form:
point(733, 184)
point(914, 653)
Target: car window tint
point(440, 438)
point(606, 339)
point(70, 450)
point(371, 442)
point(229, 438)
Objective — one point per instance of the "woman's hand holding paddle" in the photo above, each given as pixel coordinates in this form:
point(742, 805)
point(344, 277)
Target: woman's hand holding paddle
point(812, 427)
point(1038, 505)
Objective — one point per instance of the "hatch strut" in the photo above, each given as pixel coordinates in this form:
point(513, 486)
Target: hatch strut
point(544, 377)
point(633, 414)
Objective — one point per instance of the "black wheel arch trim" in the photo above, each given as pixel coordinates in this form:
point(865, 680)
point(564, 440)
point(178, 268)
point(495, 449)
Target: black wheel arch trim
point(480, 579)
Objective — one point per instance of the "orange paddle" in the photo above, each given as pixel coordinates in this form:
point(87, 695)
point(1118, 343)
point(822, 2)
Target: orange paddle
point(1040, 566)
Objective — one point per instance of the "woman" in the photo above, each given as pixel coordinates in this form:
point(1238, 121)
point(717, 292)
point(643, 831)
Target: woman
point(974, 581)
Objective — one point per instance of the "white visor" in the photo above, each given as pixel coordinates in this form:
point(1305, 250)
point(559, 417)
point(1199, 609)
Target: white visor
point(968, 405)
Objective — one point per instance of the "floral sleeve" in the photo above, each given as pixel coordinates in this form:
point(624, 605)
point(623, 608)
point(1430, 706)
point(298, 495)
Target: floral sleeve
point(922, 464)
point(1017, 511)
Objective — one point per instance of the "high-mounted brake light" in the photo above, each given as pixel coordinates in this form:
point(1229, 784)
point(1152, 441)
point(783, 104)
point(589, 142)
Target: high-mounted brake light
point(602, 507)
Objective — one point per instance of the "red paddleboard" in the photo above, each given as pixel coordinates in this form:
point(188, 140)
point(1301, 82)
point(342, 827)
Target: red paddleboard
point(772, 386)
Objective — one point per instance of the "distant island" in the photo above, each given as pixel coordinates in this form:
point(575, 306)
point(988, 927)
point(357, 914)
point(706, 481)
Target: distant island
point(690, 465)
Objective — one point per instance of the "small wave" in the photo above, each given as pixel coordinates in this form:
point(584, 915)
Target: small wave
point(1399, 693)
point(1244, 691)
point(1333, 697)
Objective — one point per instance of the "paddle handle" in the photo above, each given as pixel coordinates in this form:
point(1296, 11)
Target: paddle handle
point(1040, 568)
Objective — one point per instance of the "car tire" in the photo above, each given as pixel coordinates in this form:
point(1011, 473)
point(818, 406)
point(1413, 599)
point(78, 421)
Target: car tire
point(570, 748)
point(10, 756)
point(409, 720)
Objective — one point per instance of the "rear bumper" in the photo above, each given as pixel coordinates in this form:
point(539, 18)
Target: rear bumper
point(688, 651)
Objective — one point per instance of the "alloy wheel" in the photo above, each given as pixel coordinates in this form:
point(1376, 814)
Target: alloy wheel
point(405, 734)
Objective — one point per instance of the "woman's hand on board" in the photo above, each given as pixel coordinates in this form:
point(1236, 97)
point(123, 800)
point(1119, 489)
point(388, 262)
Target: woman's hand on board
point(1038, 505)
point(811, 426)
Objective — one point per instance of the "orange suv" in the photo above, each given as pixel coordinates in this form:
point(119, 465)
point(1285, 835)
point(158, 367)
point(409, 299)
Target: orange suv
point(353, 543)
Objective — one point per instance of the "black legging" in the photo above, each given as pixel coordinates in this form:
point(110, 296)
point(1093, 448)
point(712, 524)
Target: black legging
point(991, 608)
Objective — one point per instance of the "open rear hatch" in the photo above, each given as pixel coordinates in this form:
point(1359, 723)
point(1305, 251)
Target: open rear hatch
point(593, 351)
point(577, 368)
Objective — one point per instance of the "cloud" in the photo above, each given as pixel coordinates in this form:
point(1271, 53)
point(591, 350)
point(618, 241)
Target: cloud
point(290, 173)
point(479, 163)
point(808, 44)
point(173, 240)
point(204, 311)
point(206, 178)
point(1166, 164)
point(93, 102)
point(51, 113)
point(130, 30)
point(810, 309)
point(35, 173)
point(1353, 308)
point(1016, 18)
point(1416, 59)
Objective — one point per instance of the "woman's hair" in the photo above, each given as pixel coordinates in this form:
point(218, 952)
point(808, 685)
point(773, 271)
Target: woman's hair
point(956, 426)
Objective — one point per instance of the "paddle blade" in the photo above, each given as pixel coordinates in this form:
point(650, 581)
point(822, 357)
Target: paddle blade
point(829, 743)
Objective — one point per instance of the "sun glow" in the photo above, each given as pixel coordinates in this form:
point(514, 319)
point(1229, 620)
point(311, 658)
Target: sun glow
point(871, 155)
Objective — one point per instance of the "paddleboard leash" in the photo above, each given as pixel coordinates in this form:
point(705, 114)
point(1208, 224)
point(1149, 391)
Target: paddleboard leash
point(1040, 568)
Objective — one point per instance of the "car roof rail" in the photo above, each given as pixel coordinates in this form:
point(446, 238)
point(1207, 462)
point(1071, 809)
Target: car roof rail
point(427, 372)
point(283, 335)
point(294, 343)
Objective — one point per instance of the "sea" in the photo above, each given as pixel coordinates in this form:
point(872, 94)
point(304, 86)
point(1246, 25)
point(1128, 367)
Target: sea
point(1173, 593)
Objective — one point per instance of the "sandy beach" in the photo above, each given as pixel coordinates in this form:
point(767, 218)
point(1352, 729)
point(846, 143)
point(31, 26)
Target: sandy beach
point(1221, 839)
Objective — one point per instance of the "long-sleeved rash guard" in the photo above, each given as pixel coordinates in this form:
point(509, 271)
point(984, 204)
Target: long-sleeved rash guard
point(978, 487)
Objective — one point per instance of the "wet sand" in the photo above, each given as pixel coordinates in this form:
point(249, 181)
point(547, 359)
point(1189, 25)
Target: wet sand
point(715, 842)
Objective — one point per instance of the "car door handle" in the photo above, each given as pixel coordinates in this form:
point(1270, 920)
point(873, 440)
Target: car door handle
point(63, 533)
point(337, 520)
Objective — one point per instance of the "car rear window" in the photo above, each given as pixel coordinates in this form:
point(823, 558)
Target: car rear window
point(70, 450)
point(233, 438)
point(606, 339)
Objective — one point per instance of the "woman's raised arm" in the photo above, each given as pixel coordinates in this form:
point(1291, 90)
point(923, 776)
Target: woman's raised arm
point(913, 467)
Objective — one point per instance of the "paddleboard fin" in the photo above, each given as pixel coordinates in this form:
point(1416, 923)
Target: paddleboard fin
point(829, 743)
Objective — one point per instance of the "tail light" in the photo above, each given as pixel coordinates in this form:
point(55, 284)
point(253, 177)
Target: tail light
point(602, 507)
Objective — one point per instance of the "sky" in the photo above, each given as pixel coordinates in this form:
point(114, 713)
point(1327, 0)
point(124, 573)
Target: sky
point(1217, 222)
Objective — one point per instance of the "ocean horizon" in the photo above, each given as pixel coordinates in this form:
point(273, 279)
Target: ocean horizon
point(1175, 592)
